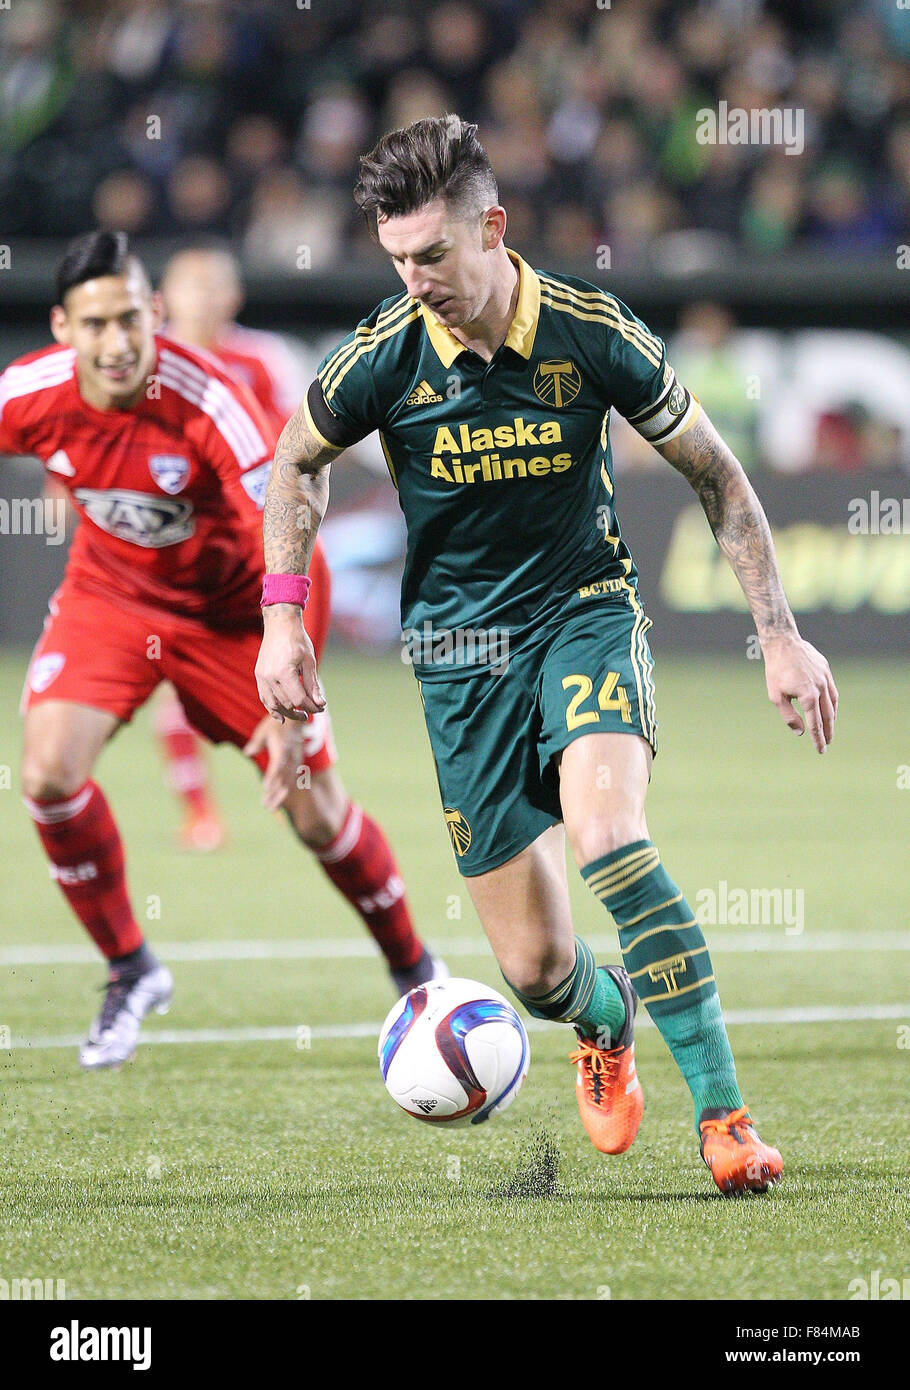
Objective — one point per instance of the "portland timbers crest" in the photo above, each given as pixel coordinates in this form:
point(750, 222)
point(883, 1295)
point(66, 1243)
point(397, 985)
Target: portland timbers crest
point(557, 382)
point(459, 830)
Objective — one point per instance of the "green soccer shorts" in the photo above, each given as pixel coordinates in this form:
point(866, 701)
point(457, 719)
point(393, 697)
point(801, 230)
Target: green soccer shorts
point(494, 736)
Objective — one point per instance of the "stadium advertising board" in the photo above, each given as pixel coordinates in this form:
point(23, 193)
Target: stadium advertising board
point(842, 543)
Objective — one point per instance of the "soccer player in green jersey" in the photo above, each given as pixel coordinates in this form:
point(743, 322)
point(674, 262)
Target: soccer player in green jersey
point(491, 385)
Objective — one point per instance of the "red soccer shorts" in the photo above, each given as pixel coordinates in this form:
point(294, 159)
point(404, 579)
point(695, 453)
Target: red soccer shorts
point(110, 653)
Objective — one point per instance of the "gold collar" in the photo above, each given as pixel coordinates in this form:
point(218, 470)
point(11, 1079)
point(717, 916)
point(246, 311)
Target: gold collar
point(522, 329)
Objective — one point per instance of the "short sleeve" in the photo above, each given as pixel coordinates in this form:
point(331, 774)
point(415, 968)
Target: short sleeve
point(233, 436)
point(642, 384)
point(11, 441)
point(341, 405)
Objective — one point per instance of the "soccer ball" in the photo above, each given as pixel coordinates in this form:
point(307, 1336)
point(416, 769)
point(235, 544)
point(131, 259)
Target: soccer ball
point(453, 1052)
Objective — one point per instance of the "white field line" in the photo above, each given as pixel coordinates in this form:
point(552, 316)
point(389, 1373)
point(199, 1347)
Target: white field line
point(753, 1018)
point(362, 948)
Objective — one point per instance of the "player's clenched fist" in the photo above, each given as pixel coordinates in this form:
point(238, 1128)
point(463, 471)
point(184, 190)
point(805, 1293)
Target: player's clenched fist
point(286, 669)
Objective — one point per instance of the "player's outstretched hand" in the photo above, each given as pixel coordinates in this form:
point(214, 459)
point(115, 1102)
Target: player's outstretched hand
point(285, 750)
point(794, 670)
point(286, 669)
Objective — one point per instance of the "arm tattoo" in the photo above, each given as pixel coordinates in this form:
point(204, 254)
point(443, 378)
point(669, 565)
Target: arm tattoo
point(736, 517)
point(296, 498)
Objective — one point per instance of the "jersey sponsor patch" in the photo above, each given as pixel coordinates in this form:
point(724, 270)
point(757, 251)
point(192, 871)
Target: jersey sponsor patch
point(45, 669)
point(138, 517)
point(255, 482)
point(169, 471)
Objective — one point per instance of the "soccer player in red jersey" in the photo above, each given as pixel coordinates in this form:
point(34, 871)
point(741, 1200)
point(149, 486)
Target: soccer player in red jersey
point(166, 459)
point(202, 293)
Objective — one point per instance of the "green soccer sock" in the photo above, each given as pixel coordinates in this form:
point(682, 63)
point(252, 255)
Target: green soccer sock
point(667, 959)
point(587, 997)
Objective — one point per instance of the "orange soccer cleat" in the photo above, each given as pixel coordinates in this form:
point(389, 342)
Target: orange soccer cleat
point(608, 1091)
point(738, 1159)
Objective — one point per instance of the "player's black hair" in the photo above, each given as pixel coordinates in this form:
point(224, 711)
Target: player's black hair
point(93, 254)
point(438, 157)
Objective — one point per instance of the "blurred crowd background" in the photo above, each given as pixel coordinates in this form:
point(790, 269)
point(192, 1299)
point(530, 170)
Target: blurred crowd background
point(197, 121)
point(588, 110)
point(777, 279)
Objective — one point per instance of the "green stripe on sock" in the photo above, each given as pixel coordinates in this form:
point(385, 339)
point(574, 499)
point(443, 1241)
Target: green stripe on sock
point(587, 997)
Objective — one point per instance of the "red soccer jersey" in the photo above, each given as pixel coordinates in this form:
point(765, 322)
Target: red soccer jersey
point(267, 366)
point(170, 491)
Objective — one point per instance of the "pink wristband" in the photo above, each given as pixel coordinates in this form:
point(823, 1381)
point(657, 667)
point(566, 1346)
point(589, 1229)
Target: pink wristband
point(285, 588)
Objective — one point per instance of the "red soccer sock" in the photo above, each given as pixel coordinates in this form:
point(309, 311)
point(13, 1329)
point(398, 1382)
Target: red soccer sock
point(361, 865)
point(180, 745)
point(81, 839)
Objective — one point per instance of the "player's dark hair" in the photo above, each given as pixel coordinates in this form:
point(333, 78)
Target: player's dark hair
point(438, 157)
point(91, 255)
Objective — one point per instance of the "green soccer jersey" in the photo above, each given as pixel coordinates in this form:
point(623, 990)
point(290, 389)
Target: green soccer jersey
point(503, 468)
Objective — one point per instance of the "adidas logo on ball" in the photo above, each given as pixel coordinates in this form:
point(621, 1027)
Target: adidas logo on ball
point(453, 1052)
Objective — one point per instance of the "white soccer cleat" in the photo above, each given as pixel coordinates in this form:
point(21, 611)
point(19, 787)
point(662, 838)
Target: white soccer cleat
point(440, 970)
point(113, 1035)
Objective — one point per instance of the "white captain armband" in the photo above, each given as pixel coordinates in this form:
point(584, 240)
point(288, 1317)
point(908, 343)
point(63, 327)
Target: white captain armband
point(673, 412)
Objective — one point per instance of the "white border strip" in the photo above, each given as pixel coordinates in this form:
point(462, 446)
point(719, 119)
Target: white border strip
point(362, 947)
point(822, 1013)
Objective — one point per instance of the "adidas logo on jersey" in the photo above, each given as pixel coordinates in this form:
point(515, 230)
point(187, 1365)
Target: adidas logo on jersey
point(59, 463)
point(424, 395)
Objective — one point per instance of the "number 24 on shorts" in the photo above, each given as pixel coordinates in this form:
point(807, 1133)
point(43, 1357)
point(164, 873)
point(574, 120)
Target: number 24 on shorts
point(611, 695)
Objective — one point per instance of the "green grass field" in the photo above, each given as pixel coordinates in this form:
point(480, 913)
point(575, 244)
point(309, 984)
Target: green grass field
point(224, 1165)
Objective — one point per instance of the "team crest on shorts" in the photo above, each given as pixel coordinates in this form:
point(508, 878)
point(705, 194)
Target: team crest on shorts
point(170, 471)
point(459, 830)
point(45, 669)
point(557, 382)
